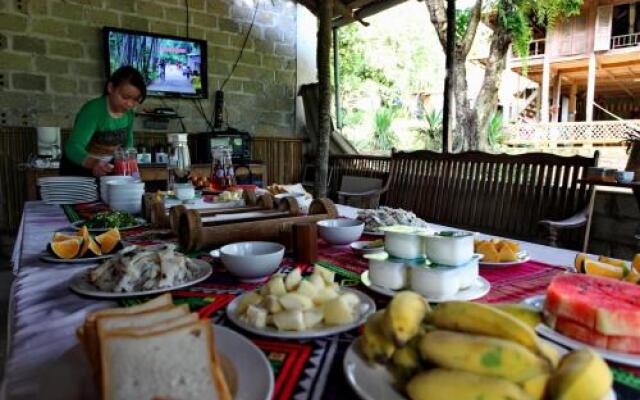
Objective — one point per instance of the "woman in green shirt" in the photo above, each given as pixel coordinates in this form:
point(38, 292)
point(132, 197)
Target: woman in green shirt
point(103, 125)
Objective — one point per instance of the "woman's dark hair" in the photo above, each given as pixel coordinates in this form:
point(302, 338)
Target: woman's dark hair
point(130, 75)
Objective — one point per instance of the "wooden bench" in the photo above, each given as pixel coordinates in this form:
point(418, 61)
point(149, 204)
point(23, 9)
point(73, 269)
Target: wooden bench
point(515, 196)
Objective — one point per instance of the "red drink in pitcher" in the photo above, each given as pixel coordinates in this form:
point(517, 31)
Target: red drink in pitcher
point(120, 163)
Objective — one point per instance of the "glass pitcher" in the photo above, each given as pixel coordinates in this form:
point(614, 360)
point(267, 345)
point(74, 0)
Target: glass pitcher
point(179, 162)
point(222, 173)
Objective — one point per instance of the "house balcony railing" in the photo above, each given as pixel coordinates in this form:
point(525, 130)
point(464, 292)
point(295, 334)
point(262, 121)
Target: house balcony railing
point(569, 133)
point(536, 49)
point(622, 41)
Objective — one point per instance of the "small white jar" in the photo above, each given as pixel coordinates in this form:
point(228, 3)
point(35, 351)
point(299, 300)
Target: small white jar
point(406, 242)
point(387, 272)
point(435, 282)
point(449, 247)
point(184, 191)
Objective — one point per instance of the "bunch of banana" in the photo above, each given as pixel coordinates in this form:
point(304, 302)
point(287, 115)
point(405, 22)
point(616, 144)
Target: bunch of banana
point(465, 350)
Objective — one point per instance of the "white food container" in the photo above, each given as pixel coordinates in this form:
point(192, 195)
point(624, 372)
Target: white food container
point(387, 272)
point(435, 281)
point(406, 242)
point(449, 247)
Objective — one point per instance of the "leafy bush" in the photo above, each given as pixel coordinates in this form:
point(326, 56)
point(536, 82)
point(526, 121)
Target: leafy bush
point(384, 138)
point(495, 133)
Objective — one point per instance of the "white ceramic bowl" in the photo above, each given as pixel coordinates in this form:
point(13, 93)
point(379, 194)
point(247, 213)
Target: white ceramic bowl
point(450, 247)
point(127, 206)
point(104, 184)
point(340, 230)
point(184, 191)
point(252, 261)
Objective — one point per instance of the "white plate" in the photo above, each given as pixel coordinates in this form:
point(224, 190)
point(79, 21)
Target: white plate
point(479, 288)
point(65, 179)
point(79, 224)
point(48, 257)
point(81, 285)
point(359, 247)
point(536, 302)
point(523, 257)
point(365, 308)
point(245, 367)
point(374, 382)
point(373, 233)
point(615, 356)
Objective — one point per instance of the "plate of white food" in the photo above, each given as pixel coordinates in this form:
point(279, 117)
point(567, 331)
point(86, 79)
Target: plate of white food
point(292, 307)
point(141, 271)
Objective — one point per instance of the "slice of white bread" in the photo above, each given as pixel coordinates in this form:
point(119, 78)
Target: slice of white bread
point(178, 363)
point(112, 322)
point(88, 333)
point(161, 326)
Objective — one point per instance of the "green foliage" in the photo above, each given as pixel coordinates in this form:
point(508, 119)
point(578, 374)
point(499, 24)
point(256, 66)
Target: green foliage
point(518, 17)
point(462, 22)
point(353, 117)
point(431, 134)
point(384, 138)
point(495, 133)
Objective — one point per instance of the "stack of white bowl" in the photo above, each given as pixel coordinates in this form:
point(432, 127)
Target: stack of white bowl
point(104, 184)
point(125, 196)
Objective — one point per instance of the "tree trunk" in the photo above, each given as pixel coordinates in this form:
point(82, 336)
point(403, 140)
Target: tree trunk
point(466, 135)
point(487, 100)
point(325, 14)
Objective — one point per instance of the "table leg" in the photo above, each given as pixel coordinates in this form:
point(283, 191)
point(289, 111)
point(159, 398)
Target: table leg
point(587, 231)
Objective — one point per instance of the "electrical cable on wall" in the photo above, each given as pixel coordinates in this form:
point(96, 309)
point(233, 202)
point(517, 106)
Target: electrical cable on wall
point(186, 3)
point(218, 107)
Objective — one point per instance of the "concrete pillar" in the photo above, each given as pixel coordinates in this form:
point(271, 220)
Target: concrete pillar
point(544, 106)
point(573, 101)
point(632, 17)
point(557, 90)
point(591, 87)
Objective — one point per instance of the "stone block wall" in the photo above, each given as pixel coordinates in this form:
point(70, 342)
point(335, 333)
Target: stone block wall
point(51, 58)
point(616, 221)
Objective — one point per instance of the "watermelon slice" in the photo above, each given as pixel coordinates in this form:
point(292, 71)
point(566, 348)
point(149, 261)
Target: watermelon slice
point(603, 305)
point(626, 344)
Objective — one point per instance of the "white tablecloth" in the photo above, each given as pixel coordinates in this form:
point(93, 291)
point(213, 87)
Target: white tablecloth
point(44, 313)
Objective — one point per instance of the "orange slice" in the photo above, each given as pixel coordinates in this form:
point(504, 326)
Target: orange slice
point(633, 276)
point(108, 240)
point(613, 261)
point(82, 232)
point(66, 249)
point(93, 247)
point(579, 261)
point(490, 252)
point(636, 262)
point(59, 237)
point(86, 240)
point(592, 267)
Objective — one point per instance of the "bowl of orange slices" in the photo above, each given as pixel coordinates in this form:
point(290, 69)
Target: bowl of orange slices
point(82, 246)
point(608, 267)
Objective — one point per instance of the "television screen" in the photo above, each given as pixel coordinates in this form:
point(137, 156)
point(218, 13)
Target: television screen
point(171, 66)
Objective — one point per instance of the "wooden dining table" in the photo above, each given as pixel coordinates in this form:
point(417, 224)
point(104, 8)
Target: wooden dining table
point(44, 313)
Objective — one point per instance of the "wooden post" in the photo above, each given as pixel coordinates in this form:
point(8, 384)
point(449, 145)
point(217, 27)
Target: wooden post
point(573, 101)
point(632, 17)
point(544, 106)
point(557, 90)
point(591, 87)
point(325, 14)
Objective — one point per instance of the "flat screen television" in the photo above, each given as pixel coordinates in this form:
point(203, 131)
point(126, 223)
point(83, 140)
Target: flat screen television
point(172, 66)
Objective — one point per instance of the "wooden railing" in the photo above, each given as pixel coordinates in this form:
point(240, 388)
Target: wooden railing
point(596, 132)
point(283, 157)
point(622, 41)
point(356, 165)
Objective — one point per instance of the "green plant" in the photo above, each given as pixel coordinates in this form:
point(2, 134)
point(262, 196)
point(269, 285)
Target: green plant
point(384, 138)
point(431, 135)
point(495, 133)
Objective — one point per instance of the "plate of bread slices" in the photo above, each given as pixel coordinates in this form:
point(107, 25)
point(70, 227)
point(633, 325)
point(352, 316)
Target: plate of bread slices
point(500, 253)
point(156, 350)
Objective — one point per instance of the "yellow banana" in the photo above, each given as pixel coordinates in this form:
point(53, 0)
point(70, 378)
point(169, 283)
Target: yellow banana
point(524, 313)
point(404, 315)
point(374, 344)
point(443, 384)
point(484, 319)
point(581, 375)
point(405, 362)
point(536, 387)
point(482, 354)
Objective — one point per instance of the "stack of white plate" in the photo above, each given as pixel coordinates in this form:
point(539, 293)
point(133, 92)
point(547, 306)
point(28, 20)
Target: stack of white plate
point(104, 184)
point(68, 189)
point(125, 196)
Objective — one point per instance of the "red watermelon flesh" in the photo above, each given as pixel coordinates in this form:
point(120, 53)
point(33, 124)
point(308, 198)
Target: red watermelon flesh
point(604, 305)
point(626, 344)
point(580, 333)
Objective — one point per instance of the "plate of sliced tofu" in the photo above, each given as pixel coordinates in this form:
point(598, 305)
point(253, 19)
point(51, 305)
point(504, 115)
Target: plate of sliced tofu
point(290, 306)
point(157, 350)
